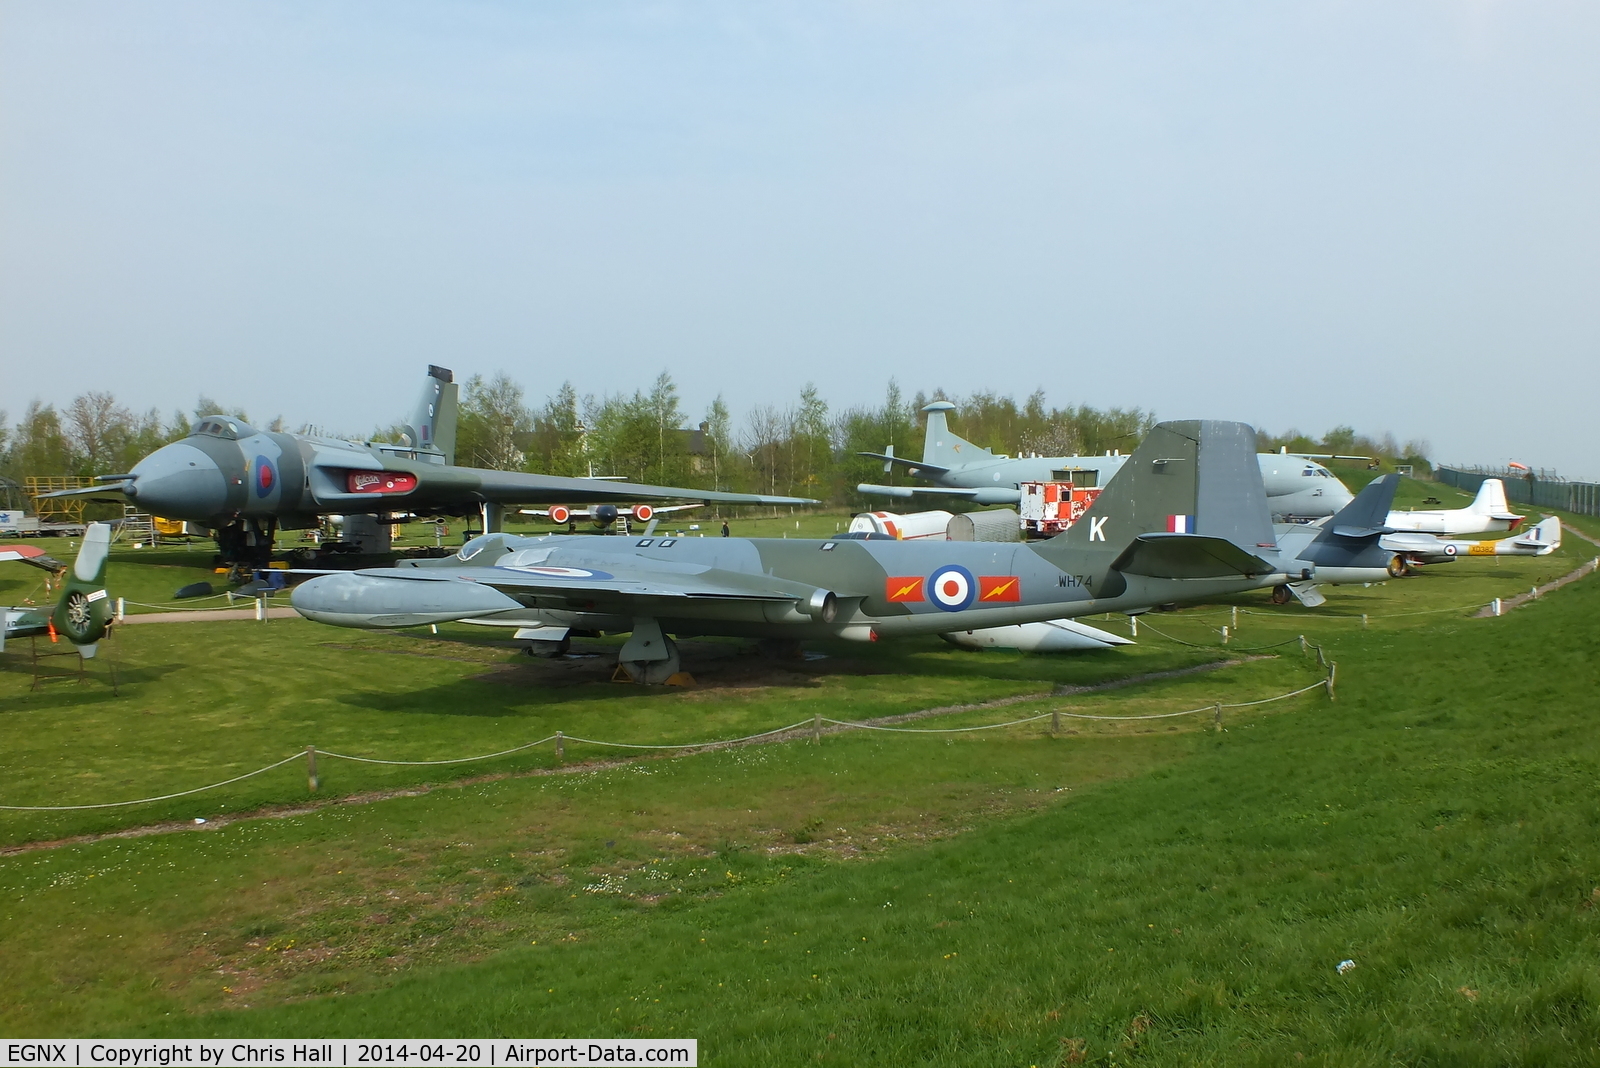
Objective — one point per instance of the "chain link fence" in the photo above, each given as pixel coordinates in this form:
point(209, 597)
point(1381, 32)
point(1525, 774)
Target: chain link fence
point(1540, 489)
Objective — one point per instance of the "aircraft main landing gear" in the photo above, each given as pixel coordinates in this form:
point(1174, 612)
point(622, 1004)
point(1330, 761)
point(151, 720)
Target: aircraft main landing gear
point(649, 658)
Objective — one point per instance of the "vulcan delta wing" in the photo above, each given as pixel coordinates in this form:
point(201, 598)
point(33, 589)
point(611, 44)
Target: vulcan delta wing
point(1185, 520)
point(246, 484)
point(82, 615)
point(1297, 487)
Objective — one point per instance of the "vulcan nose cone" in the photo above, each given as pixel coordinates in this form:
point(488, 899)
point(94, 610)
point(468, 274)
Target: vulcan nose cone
point(178, 481)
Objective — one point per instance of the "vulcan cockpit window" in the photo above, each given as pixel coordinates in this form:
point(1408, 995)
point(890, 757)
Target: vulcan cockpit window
point(231, 429)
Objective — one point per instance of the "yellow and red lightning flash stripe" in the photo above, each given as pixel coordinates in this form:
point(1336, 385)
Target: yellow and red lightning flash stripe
point(898, 589)
point(999, 588)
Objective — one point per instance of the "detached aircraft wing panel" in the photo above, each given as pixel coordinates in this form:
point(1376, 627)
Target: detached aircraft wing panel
point(31, 554)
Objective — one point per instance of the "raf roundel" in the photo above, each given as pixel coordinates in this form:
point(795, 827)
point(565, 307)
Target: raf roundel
point(266, 477)
point(952, 588)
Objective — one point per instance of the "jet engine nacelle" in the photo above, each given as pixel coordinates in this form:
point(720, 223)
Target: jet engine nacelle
point(821, 606)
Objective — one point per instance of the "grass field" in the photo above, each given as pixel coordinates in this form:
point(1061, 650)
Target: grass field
point(1123, 893)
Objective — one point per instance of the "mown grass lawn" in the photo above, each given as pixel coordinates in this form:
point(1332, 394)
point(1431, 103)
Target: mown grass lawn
point(1130, 893)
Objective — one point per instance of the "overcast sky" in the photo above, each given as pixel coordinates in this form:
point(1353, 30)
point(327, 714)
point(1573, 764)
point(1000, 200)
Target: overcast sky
point(1385, 214)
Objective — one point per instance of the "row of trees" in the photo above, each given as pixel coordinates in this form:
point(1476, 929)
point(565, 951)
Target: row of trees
point(93, 435)
point(803, 448)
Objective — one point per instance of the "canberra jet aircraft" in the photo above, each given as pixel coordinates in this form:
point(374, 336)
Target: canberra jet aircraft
point(1185, 520)
point(1296, 487)
point(245, 484)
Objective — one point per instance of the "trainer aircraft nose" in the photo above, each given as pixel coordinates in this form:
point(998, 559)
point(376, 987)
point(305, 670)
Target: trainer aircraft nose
point(178, 481)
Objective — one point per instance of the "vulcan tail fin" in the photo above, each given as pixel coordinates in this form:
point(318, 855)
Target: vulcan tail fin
point(1197, 479)
point(941, 448)
point(433, 428)
point(84, 611)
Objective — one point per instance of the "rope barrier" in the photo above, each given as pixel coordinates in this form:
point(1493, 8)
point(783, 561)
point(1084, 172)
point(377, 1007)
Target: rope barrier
point(559, 738)
point(1319, 684)
point(1385, 615)
point(1234, 648)
point(692, 745)
point(425, 763)
point(932, 730)
point(148, 800)
point(186, 608)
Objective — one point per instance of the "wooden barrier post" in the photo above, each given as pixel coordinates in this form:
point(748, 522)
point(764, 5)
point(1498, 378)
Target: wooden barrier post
point(1133, 625)
point(1055, 724)
point(1216, 711)
point(1302, 645)
point(1363, 621)
point(1333, 672)
point(311, 768)
point(1224, 635)
point(561, 746)
point(816, 728)
point(1235, 617)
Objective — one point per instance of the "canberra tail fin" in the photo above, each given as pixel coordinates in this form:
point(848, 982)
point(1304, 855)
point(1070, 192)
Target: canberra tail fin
point(941, 448)
point(1368, 514)
point(433, 428)
point(84, 611)
point(1197, 477)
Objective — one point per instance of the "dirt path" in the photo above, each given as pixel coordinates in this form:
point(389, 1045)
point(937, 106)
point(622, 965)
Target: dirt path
point(1506, 604)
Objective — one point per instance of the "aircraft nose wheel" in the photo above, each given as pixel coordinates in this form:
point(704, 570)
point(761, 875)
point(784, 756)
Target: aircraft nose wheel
point(654, 672)
point(1281, 595)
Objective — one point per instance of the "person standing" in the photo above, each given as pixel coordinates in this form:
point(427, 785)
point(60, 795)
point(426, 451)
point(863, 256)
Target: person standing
point(725, 528)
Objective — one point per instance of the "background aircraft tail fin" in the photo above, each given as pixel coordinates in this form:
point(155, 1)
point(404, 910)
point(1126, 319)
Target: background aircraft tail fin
point(1196, 476)
point(1368, 514)
point(941, 447)
point(1491, 500)
point(1544, 538)
point(433, 428)
point(84, 611)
